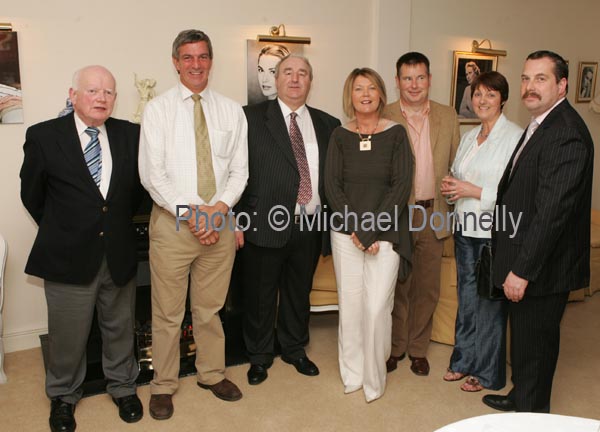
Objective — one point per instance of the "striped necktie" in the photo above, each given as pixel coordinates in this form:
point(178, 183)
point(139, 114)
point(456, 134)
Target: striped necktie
point(305, 188)
point(93, 155)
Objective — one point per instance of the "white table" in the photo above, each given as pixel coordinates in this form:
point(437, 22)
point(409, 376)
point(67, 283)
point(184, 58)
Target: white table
point(523, 422)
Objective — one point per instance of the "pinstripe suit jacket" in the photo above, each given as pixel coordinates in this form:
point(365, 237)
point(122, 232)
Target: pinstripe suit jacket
point(551, 187)
point(273, 174)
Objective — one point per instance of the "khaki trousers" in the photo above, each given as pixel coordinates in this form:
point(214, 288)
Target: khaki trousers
point(416, 298)
point(175, 255)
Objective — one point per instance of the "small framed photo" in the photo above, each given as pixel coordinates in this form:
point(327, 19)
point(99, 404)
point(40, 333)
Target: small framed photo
point(586, 81)
point(467, 66)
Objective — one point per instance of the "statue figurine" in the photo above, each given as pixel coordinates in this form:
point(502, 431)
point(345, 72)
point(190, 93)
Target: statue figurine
point(145, 88)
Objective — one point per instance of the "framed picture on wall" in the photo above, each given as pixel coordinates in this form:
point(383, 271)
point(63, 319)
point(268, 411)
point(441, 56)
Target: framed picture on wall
point(11, 102)
point(262, 59)
point(467, 66)
point(586, 81)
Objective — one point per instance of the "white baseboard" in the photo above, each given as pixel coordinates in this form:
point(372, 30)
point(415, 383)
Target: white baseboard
point(23, 340)
point(324, 308)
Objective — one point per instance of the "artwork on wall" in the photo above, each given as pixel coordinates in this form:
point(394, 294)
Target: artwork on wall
point(11, 102)
point(262, 57)
point(467, 66)
point(586, 81)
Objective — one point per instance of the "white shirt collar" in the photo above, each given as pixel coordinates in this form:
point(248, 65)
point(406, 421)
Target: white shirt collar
point(81, 126)
point(301, 111)
point(187, 93)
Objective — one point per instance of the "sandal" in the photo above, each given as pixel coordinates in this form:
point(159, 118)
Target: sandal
point(471, 385)
point(453, 376)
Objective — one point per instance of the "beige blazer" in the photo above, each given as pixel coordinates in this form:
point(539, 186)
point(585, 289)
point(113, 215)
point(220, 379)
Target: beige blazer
point(445, 137)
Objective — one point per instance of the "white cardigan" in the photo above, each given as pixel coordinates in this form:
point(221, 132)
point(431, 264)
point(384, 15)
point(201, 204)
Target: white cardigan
point(484, 170)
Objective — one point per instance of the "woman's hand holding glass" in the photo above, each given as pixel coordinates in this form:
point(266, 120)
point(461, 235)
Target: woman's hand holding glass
point(454, 189)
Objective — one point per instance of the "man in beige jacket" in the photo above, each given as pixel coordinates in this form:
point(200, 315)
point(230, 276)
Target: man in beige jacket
point(434, 134)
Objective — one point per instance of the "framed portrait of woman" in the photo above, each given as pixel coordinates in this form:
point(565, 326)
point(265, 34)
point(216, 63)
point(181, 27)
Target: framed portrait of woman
point(262, 57)
point(586, 81)
point(466, 67)
point(11, 102)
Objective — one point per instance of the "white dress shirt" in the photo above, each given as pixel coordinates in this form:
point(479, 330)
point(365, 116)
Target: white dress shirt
point(484, 169)
point(167, 159)
point(312, 151)
point(85, 139)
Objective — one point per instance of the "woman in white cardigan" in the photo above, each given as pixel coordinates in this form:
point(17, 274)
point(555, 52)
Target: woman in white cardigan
point(480, 334)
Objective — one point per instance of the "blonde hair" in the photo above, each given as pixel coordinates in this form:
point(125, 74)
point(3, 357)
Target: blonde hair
point(372, 76)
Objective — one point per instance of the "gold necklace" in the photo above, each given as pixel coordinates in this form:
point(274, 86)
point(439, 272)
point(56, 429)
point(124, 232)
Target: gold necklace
point(365, 142)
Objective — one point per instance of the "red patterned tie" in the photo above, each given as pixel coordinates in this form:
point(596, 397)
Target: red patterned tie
point(305, 189)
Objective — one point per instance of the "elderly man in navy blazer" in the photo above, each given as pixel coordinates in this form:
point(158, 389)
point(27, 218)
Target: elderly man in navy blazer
point(548, 185)
point(79, 182)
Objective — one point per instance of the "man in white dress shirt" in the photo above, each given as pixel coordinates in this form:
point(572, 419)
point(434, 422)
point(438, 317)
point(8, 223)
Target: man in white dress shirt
point(193, 153)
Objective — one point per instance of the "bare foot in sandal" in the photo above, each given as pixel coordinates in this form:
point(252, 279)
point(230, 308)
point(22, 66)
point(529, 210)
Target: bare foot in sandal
point(471, 385)
point(453, 376)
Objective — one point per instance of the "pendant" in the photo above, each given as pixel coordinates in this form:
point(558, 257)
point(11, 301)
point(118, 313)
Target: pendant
point(365, 145)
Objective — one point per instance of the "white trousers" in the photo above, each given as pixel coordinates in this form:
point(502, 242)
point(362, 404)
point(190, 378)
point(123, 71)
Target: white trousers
point(365, 285)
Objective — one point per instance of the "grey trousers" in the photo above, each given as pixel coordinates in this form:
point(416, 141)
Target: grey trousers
point(70, 314)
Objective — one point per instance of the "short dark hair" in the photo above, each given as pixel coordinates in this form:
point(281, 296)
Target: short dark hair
point(190, 36)
point(493, 81)
point(561, 68)
point(411, 59)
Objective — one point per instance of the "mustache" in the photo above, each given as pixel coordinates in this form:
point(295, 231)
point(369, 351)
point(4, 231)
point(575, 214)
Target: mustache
point(531, 93)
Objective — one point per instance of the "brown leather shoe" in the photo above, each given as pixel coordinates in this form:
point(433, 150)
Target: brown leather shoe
point(161, 406)
point(419, 365)
point(392, 363)
point(225, 390)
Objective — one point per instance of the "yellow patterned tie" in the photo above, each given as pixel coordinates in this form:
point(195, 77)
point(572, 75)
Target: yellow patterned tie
point(207, 186)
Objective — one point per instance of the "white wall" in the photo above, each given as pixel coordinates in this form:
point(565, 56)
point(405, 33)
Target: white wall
point(56, 38)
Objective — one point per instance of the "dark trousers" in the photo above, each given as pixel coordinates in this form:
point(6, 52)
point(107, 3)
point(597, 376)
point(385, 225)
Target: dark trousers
point(277, 284)
point(70, 314)
point(535, 341)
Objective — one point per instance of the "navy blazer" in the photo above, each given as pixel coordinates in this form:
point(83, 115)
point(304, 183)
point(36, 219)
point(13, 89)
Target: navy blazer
point(274, 178)
point(551, 187)
point(77, 226)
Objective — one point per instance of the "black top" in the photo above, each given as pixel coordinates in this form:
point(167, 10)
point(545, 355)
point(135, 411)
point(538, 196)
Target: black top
point(372, 184)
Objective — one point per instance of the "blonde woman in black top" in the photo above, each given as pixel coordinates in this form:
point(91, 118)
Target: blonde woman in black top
point(368, 179)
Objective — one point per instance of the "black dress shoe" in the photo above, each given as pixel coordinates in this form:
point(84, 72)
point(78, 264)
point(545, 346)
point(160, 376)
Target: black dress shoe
point(392, 363)
point(499, 402)
point(419, 365)
point(303, 365)
point(130, 408)
point(62, 418)
point(257, 373)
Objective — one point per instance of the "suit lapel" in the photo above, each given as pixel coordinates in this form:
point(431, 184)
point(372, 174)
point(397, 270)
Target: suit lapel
point(276, 125)
point(434, 126)
point(71, 147)
point(116, 148)
point(322, 135)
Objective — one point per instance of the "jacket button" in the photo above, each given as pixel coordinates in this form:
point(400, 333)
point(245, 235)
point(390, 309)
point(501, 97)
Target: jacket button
point(101, 234)
point(104, 209)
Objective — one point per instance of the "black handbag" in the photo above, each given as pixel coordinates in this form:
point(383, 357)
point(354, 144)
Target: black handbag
point(483, 271)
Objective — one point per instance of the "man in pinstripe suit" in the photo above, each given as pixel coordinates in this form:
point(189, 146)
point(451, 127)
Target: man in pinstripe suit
point(548, 181)
point(278, 261)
